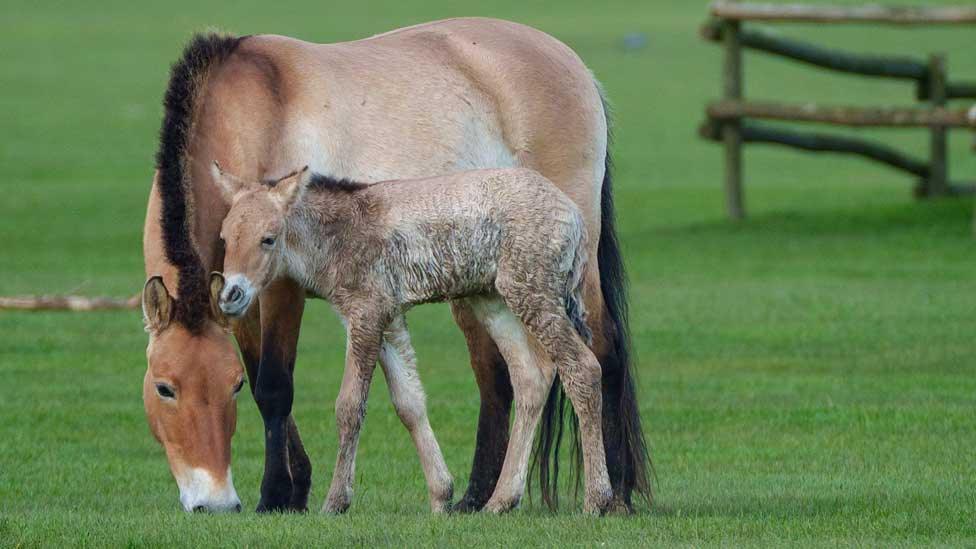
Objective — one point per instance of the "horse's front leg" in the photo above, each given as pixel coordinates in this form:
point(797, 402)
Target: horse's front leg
point(281, 307)
point(364, 335)
point(247, 331)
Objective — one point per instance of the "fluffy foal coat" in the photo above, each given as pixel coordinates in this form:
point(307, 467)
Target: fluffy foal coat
point(507, 241)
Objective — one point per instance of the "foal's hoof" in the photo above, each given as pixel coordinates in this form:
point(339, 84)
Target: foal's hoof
point(498, 507)
point(441, 507)
point(335, 505)
point(599, 504)
point(619, 507)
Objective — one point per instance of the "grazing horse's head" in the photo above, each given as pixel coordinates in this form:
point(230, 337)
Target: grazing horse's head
point(253, 234)
point(190, 393)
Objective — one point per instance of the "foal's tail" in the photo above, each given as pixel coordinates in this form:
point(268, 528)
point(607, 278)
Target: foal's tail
point(575, 308)
point(628, 458)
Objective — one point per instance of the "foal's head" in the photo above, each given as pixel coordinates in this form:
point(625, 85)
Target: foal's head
point(254, 235)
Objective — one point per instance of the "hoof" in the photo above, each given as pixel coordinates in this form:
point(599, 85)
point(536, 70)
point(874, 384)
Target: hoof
point(467, 505)
point(441, 506)
point(619, 507)
point(599, 504)
point(264, 508)
point(335, 505)
point(501, 506)
point(440, 500)
point(299, 500)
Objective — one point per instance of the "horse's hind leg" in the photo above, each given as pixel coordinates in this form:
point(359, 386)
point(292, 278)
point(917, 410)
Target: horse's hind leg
point(531, 376)
point(579, 372)
point(400, 367)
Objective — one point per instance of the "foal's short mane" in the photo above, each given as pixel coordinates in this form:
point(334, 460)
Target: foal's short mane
point(326, 183)
point(187, 79)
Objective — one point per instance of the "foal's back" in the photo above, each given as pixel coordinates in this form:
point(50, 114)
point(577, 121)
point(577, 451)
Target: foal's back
point(449, 235)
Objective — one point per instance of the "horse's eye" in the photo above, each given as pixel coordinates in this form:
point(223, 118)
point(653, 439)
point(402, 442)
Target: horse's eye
point(240, 385)
point(268, 241)
point(165, 391)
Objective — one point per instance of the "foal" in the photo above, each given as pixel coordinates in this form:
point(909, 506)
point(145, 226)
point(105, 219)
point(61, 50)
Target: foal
point(506, 241)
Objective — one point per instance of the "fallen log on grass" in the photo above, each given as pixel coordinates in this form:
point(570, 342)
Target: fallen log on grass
point(67, 303)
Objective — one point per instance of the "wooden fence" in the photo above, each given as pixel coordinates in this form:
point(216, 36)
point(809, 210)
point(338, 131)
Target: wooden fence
point(732, 120)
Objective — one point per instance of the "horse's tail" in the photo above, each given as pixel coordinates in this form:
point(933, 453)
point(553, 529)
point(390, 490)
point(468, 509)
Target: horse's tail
point(622, 432)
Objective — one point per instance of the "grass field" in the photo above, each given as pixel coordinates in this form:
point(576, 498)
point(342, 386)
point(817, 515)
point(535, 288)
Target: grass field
point(807, 376)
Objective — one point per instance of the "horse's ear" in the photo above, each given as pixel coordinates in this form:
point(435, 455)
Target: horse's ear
point(229, 184)
point(157, 305)
point(289, 189)
point(216, 287)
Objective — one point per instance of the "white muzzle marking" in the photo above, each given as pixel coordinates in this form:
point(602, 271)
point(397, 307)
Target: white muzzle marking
point(200, 491)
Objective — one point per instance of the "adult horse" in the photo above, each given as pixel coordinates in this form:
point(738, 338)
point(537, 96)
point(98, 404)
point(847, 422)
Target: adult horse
point(420, 101)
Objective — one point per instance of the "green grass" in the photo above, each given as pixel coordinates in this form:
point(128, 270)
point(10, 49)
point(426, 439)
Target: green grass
point(806, 376)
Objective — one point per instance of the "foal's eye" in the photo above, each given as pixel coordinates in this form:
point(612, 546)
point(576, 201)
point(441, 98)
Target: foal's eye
point(268, 241)
point(239, 386)
point(165, 391)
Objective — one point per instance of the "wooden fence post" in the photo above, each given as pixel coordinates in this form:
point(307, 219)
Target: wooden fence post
point(937, 183)
point(732, 129)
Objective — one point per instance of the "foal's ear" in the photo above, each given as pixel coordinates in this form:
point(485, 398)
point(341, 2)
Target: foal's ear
point(216, 287)
point(157, 305)
point(229, 184)
point(288, 190)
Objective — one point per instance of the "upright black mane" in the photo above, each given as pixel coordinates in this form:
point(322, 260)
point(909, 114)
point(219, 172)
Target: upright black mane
point(187, 76)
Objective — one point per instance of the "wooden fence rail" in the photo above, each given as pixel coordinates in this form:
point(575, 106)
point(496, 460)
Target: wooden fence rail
point(896, 15)
point(728, 120)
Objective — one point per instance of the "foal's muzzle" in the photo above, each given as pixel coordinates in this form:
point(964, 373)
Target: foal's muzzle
point(237, 296)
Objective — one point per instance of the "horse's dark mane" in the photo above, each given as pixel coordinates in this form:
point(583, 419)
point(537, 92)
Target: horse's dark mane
point(187, 77)
point(325, 183)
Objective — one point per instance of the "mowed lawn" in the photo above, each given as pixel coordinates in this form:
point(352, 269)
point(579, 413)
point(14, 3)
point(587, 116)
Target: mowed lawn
point(806, 376)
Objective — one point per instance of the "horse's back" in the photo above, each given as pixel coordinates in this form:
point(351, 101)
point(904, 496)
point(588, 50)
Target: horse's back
point(464, 93)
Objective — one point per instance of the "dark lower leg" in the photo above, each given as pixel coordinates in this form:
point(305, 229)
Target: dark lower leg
point(280, 317)
point(301, 469)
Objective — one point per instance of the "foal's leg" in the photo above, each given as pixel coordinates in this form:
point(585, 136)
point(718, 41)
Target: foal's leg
point(400, 367)
point(531, 376)
point(579, 373)
point(495, 390)
point(362, 349)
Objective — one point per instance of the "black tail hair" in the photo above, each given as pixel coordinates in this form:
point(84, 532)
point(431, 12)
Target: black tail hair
point(636, 463)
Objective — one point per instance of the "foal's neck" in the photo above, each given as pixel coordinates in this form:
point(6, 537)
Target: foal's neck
point(329, 225)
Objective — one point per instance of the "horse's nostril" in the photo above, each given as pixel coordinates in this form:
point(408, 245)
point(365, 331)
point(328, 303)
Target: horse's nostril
point(199, 509)
point(237, 508)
